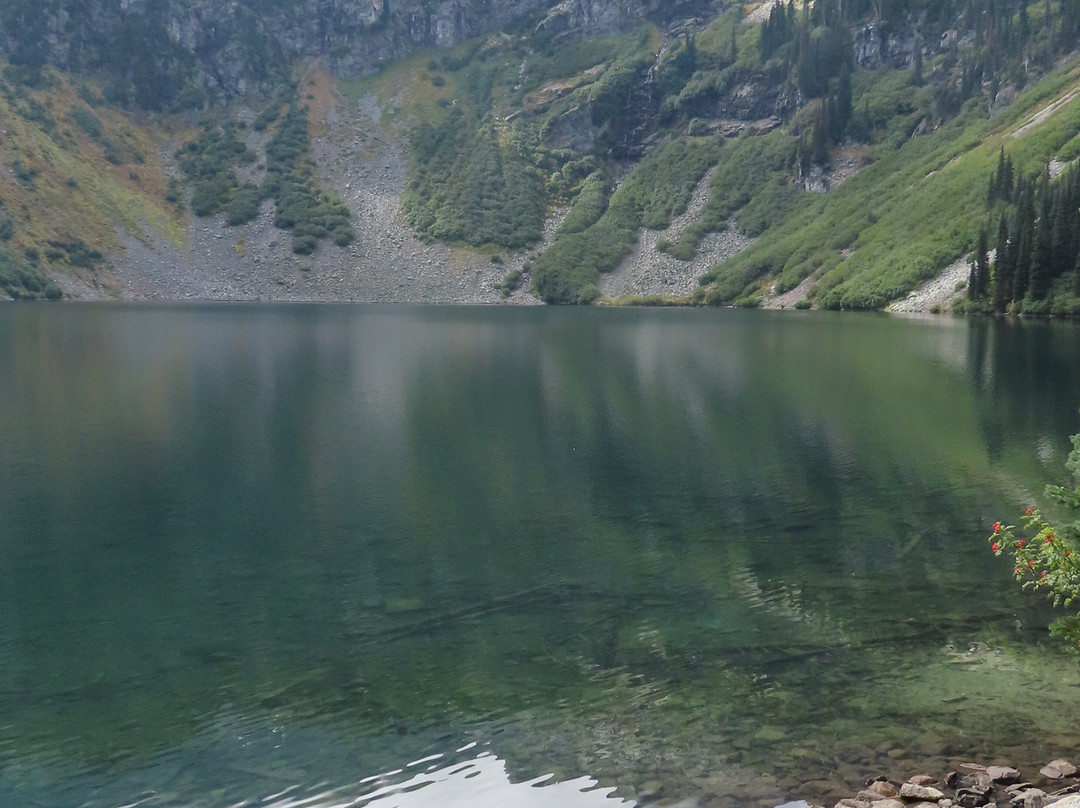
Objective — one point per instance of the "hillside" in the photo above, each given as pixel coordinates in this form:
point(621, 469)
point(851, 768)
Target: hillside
point(833, 155)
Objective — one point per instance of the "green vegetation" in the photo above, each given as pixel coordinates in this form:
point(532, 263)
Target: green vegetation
point(486, 165)
point(21, 277)
point(1037, 258)
point(77, 176)
point(1044, 559)
point(301, 207)
point(905, 216)
point(562, 119)
point(659, 188)
point(512, 124)
point(209, 162)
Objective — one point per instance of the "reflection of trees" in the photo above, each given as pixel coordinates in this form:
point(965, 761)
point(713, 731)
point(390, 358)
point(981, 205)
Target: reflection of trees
point(1025, 378)
point(264, 507)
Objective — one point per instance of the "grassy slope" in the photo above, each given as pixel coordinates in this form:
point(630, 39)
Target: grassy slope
point(64, 188)
point(909, 214)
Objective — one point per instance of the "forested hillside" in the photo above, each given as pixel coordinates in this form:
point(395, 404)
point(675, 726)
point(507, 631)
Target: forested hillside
point(865, 145)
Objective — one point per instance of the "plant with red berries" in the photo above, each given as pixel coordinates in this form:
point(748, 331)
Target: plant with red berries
point(1046, 559)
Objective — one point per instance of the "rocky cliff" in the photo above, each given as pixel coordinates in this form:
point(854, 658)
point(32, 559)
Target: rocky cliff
point(162, 53)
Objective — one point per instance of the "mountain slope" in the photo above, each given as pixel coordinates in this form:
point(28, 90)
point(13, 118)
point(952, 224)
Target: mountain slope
point(850, 145)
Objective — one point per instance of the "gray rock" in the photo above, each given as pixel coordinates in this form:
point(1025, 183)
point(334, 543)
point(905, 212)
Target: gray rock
point(1003, 774)
point(1072, 801)
point(1030, 798)
point(922, 780)
point(1056, 769)
point(968, 798)
point(910, 791)
point(978, 782)
point(856, 803)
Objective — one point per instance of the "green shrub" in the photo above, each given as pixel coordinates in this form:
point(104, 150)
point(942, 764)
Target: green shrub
point(244, 205)
point(343, 236)
point(21, 279)
point(304, 244)
point(86, 120)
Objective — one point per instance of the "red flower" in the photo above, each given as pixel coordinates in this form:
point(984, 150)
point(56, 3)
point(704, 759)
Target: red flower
point(997, 527)
point(1031, 563)
point(1028, 512)
point(1021, 543)
point(1043, 574)
point(1050, 538)
point(993, 547)
point(1016, 571)
point(1068, 553)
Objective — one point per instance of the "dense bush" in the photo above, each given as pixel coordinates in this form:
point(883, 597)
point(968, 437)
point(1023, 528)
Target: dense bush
point(658, 189)
point(210, 162)
point(21, 278)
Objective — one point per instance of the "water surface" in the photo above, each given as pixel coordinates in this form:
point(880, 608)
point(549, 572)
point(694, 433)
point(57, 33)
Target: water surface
point(321, 555)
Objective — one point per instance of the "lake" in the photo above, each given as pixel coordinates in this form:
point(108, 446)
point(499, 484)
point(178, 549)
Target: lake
point(404, 556)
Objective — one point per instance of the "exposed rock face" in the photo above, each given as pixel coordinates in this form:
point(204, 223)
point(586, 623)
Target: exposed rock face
point(239, 46)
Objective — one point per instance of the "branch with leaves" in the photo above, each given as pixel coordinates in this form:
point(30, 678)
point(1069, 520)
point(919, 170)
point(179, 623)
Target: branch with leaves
point(1047, 557)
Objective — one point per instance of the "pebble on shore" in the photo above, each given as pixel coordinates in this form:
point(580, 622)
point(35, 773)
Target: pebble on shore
point(975, 786)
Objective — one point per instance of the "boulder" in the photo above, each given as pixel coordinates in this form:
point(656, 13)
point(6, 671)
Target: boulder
point(977, 782)
point(910, 791)
point(967, 798)
point(1029, 798)
point(1057, 769)
point(856, 803)
point(1003, 774)
point(882, 788)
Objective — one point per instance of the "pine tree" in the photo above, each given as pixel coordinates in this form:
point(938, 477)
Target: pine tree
point(1004, 268)
point(917, 67)
point(1040, 271)
point(1061, 256)
point(979, 279)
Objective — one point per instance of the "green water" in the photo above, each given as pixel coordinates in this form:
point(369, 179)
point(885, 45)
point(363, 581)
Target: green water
point(275, 555)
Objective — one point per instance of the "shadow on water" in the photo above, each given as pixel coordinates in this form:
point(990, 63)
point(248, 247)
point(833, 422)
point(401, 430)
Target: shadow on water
point(724, 556)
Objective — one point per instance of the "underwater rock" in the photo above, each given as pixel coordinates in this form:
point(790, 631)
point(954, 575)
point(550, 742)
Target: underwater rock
point(1003, 774)
point(1057, 769)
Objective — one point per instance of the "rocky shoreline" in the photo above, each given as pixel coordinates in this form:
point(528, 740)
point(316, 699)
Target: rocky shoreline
point(972, 785)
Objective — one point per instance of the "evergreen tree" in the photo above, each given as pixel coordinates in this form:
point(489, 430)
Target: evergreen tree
point(1001, 181)
point(1040, 271)
point(1004, 268)
point(1061, 231)
point(979, 279)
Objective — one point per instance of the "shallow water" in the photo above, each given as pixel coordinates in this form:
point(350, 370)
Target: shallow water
point(423, 556)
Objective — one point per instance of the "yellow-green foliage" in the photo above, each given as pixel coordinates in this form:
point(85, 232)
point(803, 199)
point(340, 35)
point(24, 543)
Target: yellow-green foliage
point(79, 173)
